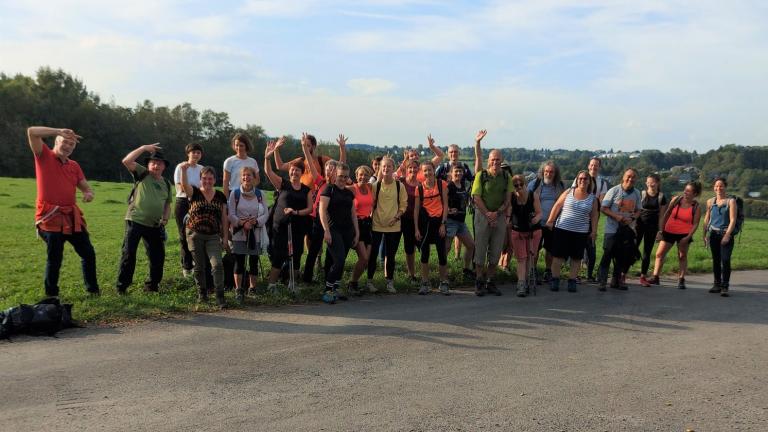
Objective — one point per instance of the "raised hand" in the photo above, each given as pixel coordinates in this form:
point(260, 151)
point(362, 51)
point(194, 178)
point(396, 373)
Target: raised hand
point(304, 138)
point(280, 142)
point(184, 165)
point(430, 140)
point(480, 135)
point(341, 140)
point(271, 147)
point(70, 135)
point(152, 148)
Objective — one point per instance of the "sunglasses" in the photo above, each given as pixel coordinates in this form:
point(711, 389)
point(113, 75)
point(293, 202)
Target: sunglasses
point(517, 184)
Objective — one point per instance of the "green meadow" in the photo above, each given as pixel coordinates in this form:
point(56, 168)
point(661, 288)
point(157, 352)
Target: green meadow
point(23, 260)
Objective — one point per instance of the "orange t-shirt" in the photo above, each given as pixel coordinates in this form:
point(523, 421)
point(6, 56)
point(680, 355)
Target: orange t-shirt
point(432, 201)
point(307, 179)
point(680, 220)
point(363, 201)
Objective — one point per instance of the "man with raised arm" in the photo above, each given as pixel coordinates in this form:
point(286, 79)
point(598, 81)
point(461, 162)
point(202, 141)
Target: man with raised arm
point(149, 207)
point(58, 219)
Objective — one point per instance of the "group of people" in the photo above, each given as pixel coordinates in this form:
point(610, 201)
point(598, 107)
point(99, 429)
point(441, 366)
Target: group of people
point(426, 203)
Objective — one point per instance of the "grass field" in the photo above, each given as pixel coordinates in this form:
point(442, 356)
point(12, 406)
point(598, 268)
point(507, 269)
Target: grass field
point(23, 259)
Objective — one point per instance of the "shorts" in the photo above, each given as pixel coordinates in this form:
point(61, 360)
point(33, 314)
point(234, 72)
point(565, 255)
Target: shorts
point(519, 240)
point(365, 226)
point(568, 244)
point(546, 239)
point(455, 228)
point(673, 238)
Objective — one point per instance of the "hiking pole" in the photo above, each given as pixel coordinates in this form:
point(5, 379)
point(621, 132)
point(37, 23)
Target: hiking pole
point(291, 279)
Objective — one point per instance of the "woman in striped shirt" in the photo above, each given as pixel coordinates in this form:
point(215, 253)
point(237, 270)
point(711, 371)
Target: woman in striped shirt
point(574, 219)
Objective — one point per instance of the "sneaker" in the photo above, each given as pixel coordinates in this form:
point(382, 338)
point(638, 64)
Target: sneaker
point(329, 297)
point(614, 282)
point(554, 284)
point(371, 287)
point(469, 274)
point(578, 280)
point(353, 289)
point(479, 287)
point(547, 276)
point(339, 295)
point(220, 301)
point(202, 298)
point(187, 273)
point(654, 280)
point(724, 291)
point(572, 285)
point(603, 285)
point(391, 286)
point(681, 283)
point(424, 290)
point(522, 290)
point(717, 288)
point(490, 286)
point(272, 288)
point(623, 282)
point(240, 296)
point(644, 282)
point(444, 290)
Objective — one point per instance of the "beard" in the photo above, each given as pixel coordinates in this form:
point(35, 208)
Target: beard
point(548, 180)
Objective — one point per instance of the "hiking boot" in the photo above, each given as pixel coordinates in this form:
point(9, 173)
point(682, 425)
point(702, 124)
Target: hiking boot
point(391, 286)
point(339, 295)
point(716, 288)
point(614, 282)
point(353, 289)
point(654, 280)
point(681, 283)
point(150, 288)
point(522, 290)
point(602, 286)
point(644, 282)
point(371, 287)
point(444, 289)
point(469, 274)
point(240, 296)
point(424, 290)
point(479, 288)
point(490, 286)
point(724, 290)
point(623, 282)
point(328, 297)
point(202, 298)
point(554, 284)
point(547, 276)
point(572, 285)
point(220, 301)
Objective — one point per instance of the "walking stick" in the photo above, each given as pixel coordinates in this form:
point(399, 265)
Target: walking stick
point(291, 277)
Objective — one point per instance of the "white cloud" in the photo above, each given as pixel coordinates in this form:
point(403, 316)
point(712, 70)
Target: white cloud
point(370, 86)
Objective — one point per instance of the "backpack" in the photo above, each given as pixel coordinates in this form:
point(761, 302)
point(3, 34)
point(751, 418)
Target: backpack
point(675, 204)
point(376, 198)
point(141, 177)
point(537, 184)
point(237, 202)
point(644, 195)
point(420, 188)
point(46, 317)
point(484, 176)
point(739, 214)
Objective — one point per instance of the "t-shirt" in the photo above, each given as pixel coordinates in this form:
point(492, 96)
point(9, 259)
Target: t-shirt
point(193, 177)
point(56, 180)
point(205, 216)
point(458, 198)
point(306, 177)
point(432, 201)
point(288, 198)
point(443, 172)
point(319, 186)
point(680, 220)
point(363, 201)
point(340, 205)
point(149, 199)
point(411, 190)
point(650, 207)
point(620, 202)
point(234, 164)
point(388, 205)
point(548, 195)
point(494, 190)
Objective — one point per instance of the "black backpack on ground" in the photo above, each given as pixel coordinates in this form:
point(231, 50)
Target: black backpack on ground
point(44, 318)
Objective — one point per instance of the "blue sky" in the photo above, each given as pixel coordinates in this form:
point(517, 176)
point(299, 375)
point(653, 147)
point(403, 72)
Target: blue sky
point(550, 73)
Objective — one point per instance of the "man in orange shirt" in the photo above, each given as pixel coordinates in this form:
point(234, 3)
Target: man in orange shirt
point(58, 219)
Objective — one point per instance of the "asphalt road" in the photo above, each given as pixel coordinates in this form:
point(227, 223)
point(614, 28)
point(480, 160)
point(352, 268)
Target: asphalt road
point(650, 359)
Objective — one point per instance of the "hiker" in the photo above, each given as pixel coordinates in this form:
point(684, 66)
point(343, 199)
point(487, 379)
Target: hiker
point(525, 234)
point(149, 208)
point(573, 220)
point(599, 187)
point(232, 165)
point(721, 225)
point(444, 171)
point(294, 201)
point(389, 204)
point(363, 191)
point(622, 206)
point(194, 153)
point(549, 186)
point(456, 226)
point(375, 166)
point(248, 215)
point(492, 193)
point(207, 230)
point(430, 215)
point(408, 228)
point(653, 205)
point(414, 155)
point(316, 230)
point(314, 157)
point(681, 220)
point(58, 219)
point(341, 232)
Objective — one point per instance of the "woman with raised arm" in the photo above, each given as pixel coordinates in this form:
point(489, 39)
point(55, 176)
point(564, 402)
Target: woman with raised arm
point(458, 202)
point(720, 221)
point(525, 235)
point(247, 215)
point(389, 203)
point(337, 213)
point(681, 220)
point(430, 215)
point(207, 230)
point(363, 207)
point(408, 228)
point(574, 220)
point(293, 200)
point(316, 231)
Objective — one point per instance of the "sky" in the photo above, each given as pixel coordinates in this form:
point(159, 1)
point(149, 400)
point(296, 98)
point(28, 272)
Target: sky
point(595, 74)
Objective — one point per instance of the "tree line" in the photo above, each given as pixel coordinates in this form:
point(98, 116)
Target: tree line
point(56, 98)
